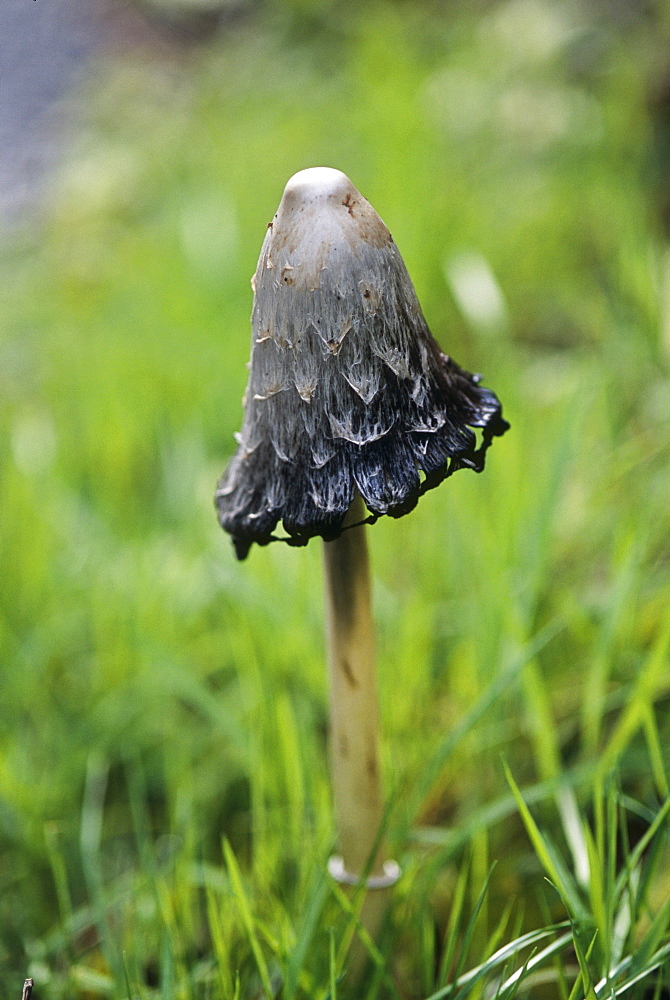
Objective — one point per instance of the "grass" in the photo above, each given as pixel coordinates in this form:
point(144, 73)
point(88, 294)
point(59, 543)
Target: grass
point(165, 811)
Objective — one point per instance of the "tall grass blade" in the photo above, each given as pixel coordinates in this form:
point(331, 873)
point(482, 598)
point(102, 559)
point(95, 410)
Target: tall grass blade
point(653, 740)
point(651, 675)
point(353, 909)
point(305, 934)
point(470, 929)
point(583, 960)
point(59, 873)
point(496, 937)
point(501, 981)
point(537, 959)
point(523, 972)
point(659, 988)
point(246, 916)
point(454, 923)
point(543, 730)
point(288, 752)
point(556, 872)
point(502, 807)
point(220, 945)
point(633, 861)
point(653, 937)
point(501, 957)
point(596, 680)
point(126, 976)
point(573, 829)
point(493, 692)
point(655, 962)
point(331, 965)
point(597, 894)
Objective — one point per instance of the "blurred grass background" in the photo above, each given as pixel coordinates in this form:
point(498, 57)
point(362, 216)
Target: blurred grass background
point(155, 695)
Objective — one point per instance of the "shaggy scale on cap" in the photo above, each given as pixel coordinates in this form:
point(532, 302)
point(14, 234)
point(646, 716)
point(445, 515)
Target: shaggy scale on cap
point(348, 390)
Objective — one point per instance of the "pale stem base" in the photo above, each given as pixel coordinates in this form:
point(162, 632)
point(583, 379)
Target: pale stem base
point(354, 729)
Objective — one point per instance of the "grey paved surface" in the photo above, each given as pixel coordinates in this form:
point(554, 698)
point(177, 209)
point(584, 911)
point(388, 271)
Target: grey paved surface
point(46, 48)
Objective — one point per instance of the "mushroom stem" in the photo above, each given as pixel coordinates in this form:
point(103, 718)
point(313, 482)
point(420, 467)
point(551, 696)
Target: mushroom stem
point(354, 731)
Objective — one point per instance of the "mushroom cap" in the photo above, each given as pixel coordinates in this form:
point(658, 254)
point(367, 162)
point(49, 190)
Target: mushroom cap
point(347, 390)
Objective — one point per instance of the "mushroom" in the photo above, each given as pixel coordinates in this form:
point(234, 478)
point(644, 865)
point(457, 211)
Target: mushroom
point(352, 411)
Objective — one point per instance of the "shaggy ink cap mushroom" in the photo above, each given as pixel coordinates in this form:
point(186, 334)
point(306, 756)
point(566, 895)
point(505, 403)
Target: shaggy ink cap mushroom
point(348, 390)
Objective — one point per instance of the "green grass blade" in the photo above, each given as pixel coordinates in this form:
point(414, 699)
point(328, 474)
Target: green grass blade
point(609, 889)
point(652, 673)
point(508, 951)
point(654, 750)
point(573, 828)
point(425, 929)
point(219, 943)
point(496, 937)
point(655, 962)
point(59, 874)
point(246, 916)
point(653, 937)
point(454, 923)
point(288, 752)
point(501, 981)
point(614, 974)
point(523, 972)
point(331, 965)
point(352, 908)
point(556, 872)
point(481, 874)
point(502, 807)
point(558, 964)
point(583, 960)
point(541, 722)
point(597, 893)
point(305, 934)
point(642, 845)
point(488, 698)
point(470, 929)
point(557, 946)
point(126, 977)
point(601, 661)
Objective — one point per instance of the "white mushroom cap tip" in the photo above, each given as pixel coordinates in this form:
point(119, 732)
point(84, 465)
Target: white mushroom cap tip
point(323, 223)
point(317, 185)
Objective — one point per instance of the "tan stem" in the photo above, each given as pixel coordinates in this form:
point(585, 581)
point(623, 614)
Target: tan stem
point(354, 734)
